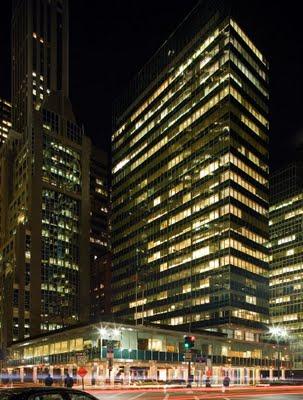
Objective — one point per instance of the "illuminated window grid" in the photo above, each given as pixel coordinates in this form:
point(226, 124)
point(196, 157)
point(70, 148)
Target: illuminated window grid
point(145, 179)
point(187, 108)
point(60, 220)
point(286, 267)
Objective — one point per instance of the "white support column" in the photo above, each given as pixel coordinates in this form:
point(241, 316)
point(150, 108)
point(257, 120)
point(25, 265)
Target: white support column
point(35, 374)
point(257, 375)
point(22, 374)
point(241, 376)
point(282, 373)
point(112, 375)
point(127, 374)
point(271, 374)
point(153, 370)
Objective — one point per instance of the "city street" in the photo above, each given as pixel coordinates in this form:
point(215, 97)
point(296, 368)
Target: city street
point(151, 200)
point(268, 393)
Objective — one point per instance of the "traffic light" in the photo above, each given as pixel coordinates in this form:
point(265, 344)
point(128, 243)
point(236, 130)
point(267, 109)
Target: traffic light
point(189, 342)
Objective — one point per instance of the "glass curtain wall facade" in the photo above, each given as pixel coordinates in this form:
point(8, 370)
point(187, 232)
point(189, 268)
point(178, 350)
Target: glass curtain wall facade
point(286, 242)
point(61, 215)
point(190, 186)
point(45, 201)
point(44, 250)
point(139, 354)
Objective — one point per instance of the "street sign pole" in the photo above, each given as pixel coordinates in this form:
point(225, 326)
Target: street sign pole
point(82, 372)
point(188, 357)
point(110, 359)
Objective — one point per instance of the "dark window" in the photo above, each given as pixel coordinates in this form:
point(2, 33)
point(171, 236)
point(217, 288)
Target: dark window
point(15, 298)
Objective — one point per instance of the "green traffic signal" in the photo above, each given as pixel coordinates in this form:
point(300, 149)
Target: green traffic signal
point(189, 342)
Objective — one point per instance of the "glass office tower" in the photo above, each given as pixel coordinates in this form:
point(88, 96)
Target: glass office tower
point(52, 205)
point(286, 271)
point(190, 182)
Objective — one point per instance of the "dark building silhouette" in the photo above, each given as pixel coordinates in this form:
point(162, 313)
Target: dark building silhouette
point(101, 287)
point(5, 119)
point(40, 32)
point(100, 256)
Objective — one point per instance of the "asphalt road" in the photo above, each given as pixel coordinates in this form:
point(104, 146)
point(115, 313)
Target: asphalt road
point(280, 393)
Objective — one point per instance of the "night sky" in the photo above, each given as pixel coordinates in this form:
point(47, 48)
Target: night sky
point(111, 41)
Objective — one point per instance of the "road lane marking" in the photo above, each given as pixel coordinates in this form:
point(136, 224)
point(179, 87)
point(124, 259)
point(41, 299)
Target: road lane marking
point(196, 397)
point(135, 397)
point(166, 397)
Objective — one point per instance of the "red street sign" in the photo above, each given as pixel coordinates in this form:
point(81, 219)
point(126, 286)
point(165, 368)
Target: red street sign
point(82, 372)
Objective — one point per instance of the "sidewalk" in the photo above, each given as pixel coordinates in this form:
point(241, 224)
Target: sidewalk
point(158, 387)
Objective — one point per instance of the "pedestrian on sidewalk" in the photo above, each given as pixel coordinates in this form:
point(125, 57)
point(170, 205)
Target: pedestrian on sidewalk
point(225, 383)
point(68, 381)
point(5, 377)
point(207, 382)
point(48, 381)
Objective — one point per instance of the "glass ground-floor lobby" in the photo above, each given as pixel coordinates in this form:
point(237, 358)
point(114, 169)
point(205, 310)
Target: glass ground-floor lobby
point(130, 354)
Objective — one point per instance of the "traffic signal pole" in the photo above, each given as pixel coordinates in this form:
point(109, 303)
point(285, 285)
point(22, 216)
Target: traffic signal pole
point(189, 343)
point(189, 375)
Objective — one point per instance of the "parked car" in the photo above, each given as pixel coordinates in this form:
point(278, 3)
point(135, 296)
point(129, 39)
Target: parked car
point(45, 393)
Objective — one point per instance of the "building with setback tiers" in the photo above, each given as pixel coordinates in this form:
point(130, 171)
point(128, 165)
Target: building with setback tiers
point(39, 39)
point(46, 189)
point(190, 182)
point(286, 266)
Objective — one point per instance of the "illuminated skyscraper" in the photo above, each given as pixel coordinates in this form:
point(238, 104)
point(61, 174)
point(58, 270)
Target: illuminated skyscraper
point(48, 173)
point(190, 182)
point(286, 266)
point(5, 119)
point(40, 31)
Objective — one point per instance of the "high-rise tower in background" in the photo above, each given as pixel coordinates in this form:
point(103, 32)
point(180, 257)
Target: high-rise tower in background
point(190, 182)
point(40, 31)
point(50, 212)
point(100, 259)
point(286, 266)
point(5, 119)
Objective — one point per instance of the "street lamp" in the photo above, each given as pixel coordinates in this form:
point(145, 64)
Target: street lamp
point(278, 333)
